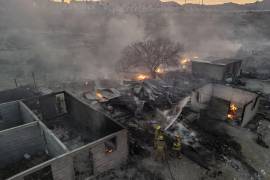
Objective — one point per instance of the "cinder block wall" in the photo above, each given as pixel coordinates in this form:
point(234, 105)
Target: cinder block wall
point(9, 115)
point(16, 142)
point(201, 97)
point(54, 146)
point(62, 169)
point(37, 137)
point(250, 111)
point(231, 94)
point(208, 70)
point(26, 114)
point(103, 161)
point(98, 124)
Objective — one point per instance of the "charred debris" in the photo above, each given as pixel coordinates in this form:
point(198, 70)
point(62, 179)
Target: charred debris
point(169, 101)
point(208, 114)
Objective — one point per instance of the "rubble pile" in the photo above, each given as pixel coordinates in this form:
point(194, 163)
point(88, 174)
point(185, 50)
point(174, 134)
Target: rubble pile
point(141, 105)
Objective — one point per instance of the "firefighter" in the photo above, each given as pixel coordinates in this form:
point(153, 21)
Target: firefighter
point(160, 149)
point(158, 133)
point(177, 146)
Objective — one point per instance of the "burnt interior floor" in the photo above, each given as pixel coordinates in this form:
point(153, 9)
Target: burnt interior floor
point(72, 134)
point(23, 164)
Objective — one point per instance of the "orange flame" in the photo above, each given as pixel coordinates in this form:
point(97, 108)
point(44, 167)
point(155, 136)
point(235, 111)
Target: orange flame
point(99, 95)
point(142, 77)
point(184, 61)
point(159, 70)
point(232, 112)
point(230, 116)
point(233, 107)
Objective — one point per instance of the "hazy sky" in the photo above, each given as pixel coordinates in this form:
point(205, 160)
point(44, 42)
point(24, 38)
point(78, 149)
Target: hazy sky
point(199, 1)
point(213, 1)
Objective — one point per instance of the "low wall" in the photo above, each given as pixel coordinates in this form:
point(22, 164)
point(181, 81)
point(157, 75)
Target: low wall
point(10, 115)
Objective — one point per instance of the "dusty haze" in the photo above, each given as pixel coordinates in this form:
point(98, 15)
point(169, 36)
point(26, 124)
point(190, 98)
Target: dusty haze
point(67, 44)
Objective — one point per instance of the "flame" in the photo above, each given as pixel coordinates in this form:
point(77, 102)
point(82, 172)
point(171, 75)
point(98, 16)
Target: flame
point(99, 95)
point(232, 112)
point(109, 151)
point(233, 107)
point(184, 61)
point(159, 70)
point(230, 116)
point(142, 77)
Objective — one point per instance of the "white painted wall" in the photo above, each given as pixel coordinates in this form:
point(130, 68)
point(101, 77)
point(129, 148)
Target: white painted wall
point(238, 96)
point(250, 112)
point(234, 95)
point(205, 94)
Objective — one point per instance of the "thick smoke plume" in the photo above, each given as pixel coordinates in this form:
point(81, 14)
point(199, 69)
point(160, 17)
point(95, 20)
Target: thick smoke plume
point(62, 43)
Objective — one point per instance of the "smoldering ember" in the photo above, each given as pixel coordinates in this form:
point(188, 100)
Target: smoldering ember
point(134, 89)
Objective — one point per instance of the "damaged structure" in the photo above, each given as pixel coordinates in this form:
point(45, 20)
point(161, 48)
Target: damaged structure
point(58, 137)
point(217, 69)
point(225, 103)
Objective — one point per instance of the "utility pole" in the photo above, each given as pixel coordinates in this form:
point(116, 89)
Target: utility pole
point(185, 2)
point(202, 2)
point(15, 81)
point(34, 80)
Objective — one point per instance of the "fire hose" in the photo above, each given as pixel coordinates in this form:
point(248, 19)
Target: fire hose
point(168, 164)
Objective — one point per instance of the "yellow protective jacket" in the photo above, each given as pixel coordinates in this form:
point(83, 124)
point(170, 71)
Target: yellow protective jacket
point(176, 146)
point(161, 145)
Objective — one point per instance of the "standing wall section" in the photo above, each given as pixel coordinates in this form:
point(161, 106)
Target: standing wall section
point(36, 137)
point(201, 97)
point(98, 124)
point(208, 70)
point(9, 115)
point(250, 111)
point(18, 141)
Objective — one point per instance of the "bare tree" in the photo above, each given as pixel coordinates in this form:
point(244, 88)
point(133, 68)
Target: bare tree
point(150, 54)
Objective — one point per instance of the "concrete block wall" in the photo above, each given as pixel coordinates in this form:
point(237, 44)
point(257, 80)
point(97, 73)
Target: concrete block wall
point(231, 94)
point(16, 142)
point(98, 124)
point(32, 138)
point(208, 70)
point(101, 160)
point(26, 114)
point(250, 111)
point(52, 143)
point(35, 136)
point(10, 115)
point(62, 169)
point(201, 97)
point(104, 161)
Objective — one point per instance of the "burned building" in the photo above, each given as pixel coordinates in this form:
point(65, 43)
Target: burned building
point(58, 137)
point(217, 69)
point(18, 93)
point(225, 103)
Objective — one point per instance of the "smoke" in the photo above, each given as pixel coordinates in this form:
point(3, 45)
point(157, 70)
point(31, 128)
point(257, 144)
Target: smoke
point(60, 43)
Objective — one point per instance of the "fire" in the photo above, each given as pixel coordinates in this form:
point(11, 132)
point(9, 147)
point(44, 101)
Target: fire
point(184, 61)
point(230, 116)
point(233, 107)
point(99, 95)
point(109, 150)
point(142, 77)
point(232, 112)
point(159, 70)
